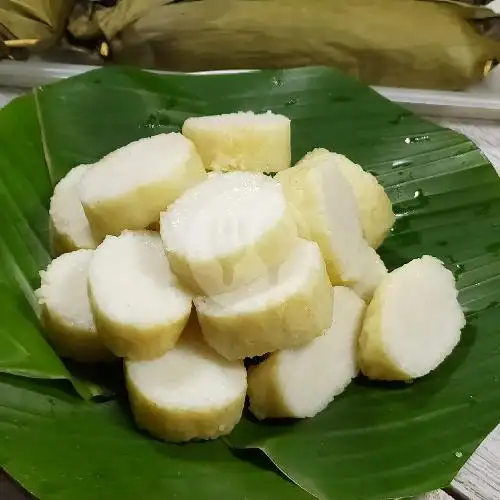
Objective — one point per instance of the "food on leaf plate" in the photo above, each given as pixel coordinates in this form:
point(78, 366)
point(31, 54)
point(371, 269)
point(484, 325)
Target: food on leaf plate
point(258, 256)
point(374, 206)
point(241, 141)
point(70, 229)
point(228, 231)
point(65, 308)
point(301, 382)
point(139, 308)
point(413, 322)
point(289, 307)
point(191, 392)
point(128, 188)
point(326, 212)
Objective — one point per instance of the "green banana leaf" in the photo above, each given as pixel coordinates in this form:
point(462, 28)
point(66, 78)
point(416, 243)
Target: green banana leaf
point(96, 453)
point(25, 249)
point(376, 441)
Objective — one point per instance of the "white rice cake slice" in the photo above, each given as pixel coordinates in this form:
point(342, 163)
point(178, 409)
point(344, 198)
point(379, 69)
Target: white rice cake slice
point(413, 322)
point(325, 210)
point(287, 308)
point(257, 142)
point(374, 206)
point(228, 231)
point(139, 308)
point(128, 188)
point(65, 308)
point(70, 229)
point(301, 382)
point(191, 392)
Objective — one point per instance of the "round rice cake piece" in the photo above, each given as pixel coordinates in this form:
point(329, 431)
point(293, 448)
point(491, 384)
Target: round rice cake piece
point(70, 229)
point(139, 308)
point(228, 231)
point(325, 210)
point(242, 141)
point(128, 188)
point(374, 206)
point(189, 393)
point(289, 307)
point(65, 308)
point(413, 322)
point(301, 382)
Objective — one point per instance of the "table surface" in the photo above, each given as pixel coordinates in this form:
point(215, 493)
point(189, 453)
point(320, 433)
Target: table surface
point(479, 479)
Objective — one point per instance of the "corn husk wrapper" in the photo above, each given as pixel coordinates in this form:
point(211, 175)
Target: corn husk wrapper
point(31, 26)
point(376, 41)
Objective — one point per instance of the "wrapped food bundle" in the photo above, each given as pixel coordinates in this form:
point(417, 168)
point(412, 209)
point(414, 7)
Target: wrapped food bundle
point(38, 24)
point(373, 40)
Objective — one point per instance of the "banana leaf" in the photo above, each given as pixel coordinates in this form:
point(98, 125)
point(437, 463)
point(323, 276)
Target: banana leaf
point(375, 441)
point(373, 40)
point(97, 454)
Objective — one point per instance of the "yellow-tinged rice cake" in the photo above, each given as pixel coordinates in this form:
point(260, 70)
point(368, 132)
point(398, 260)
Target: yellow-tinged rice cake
point(257, 142)
point(191, 392)
point(70, 229)
point(139, 308)
point(289, 307)
point(413, 322)
point(374, 206)
point(65, 308)
point(227, 232)
point(325, 210)
point(301, 382)
point(128, 188)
